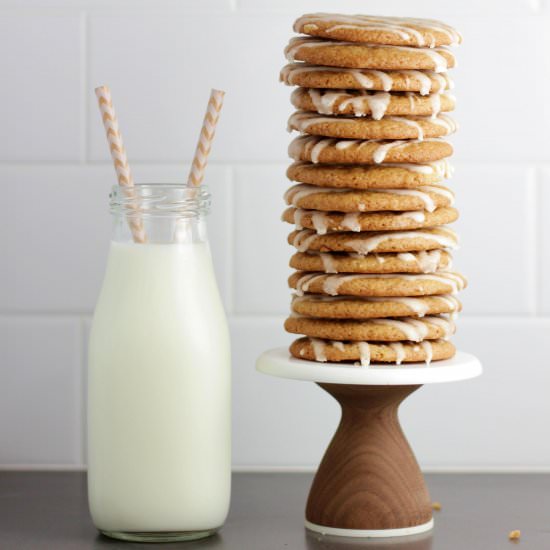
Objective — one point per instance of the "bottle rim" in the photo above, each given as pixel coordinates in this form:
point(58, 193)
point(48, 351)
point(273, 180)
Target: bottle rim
point(160, 199)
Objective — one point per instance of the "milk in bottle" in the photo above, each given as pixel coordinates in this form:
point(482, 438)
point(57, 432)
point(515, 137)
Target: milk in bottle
point(159, 454)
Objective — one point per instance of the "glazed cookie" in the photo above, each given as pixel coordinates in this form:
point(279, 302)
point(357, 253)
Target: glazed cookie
point(329, 199)
point(397, 176)
point(374, 241)
point(375, 284)
point(368, 56)
point(323, 222)
point(390, 127)
point(346, 307)
point(396, 31)
point(404, 262)
point(380, 330)
point(352, 151)
point(313, 76)
point(360, 103)
point(366, 353)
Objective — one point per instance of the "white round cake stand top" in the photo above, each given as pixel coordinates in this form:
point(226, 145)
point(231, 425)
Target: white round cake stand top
point(278, 362)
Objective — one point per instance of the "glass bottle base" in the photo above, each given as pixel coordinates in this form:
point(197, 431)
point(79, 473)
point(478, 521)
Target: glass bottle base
point(159, 536)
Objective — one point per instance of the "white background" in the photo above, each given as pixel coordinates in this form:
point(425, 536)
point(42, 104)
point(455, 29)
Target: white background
point(160, 59)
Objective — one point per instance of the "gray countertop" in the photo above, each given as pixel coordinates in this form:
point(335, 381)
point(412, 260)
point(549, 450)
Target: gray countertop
point(49, 511)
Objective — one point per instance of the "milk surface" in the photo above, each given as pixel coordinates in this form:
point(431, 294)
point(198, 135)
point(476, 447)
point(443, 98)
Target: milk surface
point(159, 456)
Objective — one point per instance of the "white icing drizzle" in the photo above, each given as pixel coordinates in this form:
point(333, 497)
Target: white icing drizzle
point(451, 302)
point(417, 215)
point(324, 102)
point(303, 239)
point(399, 350)
point(424, 80)
point(445, 121)
point(296, 192)
point(303, 283)
point(318, 347)
point(377, 103)
point(446, 325)
point(382, 151)
point(347, 143)
point(428, 350)
point(351, 221)
point(338, 345)
point(318, 147)
point(413, 329)
point(409, 122)
point(329, 265)
point(320, 222)
point(417, 305)
point(440, 191)
point(385, 79)
point(298, 215)
point(435, 100)
point(364, 353)
point(412, 100)
point(420, 193)
point(428, 261)
point(368, 244)
point(406, 257)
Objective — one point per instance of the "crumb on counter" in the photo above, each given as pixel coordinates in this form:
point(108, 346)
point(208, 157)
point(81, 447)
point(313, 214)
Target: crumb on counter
point(514, 535)
point(436, 506)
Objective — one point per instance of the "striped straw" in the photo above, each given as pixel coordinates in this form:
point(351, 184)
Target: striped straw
point(196, 174)
point(118, 154)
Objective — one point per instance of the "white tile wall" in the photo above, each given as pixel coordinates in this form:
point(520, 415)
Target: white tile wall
point(160, 59)
point(40, 391)
point(41, 99)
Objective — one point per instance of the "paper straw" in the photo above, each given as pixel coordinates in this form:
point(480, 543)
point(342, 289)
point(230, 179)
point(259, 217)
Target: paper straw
point(118, 153)
point(196, 174)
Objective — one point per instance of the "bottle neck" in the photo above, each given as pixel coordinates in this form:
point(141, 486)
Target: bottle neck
point(165, 230)
point(159, 214)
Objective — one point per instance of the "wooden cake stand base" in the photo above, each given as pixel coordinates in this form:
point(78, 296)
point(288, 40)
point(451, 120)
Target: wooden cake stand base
point(369, 483)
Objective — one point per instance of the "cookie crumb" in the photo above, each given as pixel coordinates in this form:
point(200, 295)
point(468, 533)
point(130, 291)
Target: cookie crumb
point(514, 535)
point(436, 506)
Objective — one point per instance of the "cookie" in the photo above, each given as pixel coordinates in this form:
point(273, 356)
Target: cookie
point(351, 151)
point(390, 127)
point(368, 56)
point(374, 241)
point(347, 307)
point(404, 262)
point(395, 31)
point(388, 176)
point(374, 284)
point(323, 222)
point(379, 330)
point(328, 199)
point(360, 103)
point(366, 353)
point(313, 76)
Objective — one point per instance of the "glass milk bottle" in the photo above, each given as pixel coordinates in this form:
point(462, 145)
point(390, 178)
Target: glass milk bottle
point(159, 456)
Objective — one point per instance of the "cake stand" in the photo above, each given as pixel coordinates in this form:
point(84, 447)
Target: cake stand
point(369, 483)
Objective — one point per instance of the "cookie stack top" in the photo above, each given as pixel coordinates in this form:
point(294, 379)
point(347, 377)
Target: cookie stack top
point(370, 208)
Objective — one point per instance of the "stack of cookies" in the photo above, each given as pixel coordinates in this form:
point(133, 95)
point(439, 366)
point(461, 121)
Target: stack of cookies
point(373, 280)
